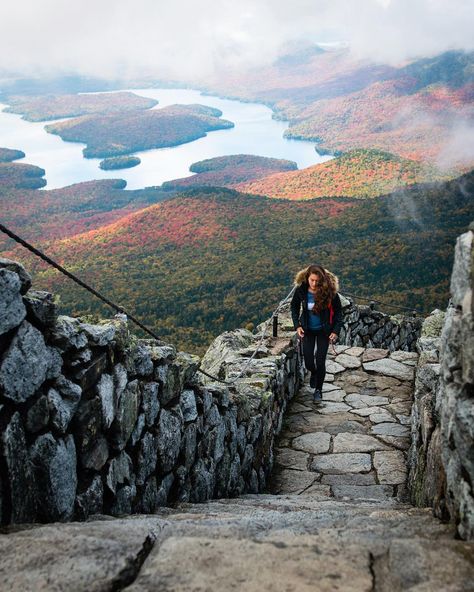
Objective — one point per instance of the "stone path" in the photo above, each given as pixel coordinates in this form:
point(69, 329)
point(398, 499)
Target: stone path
point(337, 524)
point(353, 444)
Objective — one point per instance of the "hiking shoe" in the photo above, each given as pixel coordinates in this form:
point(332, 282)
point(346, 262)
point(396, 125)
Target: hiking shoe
point(312, 380)
point(317, 396)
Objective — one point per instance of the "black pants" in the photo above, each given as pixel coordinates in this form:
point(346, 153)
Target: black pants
point(315, 349)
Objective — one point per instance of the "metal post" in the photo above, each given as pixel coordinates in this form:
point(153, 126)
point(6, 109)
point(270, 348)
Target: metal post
point(275, 325)
point(372, 305)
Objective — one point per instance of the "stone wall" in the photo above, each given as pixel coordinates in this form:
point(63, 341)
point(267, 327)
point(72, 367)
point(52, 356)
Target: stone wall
point(442, 453)
point(93, 420)
point(364, 327)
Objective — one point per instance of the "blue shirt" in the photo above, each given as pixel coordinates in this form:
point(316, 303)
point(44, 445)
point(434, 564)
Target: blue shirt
point(314, 320)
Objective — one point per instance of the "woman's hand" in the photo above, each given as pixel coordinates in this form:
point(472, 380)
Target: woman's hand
point(333, 337)
point(300, 332)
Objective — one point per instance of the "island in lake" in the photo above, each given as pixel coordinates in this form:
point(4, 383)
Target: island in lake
point(48, 107)
point(228, 171)
point(9, 155)
point(119, 162)
point(125, 133)
point(14, 175)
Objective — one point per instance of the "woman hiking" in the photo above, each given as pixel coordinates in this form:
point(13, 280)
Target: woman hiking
point(317, 318)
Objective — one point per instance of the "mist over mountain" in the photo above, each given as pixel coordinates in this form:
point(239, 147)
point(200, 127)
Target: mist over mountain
point(183, 40)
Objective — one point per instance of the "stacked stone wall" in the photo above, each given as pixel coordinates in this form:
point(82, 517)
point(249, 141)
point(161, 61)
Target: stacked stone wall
point(93, 420)
point(367, 327)
point(441, 457)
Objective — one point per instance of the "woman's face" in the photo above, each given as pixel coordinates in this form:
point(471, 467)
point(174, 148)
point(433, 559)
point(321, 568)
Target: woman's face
point(313, 281)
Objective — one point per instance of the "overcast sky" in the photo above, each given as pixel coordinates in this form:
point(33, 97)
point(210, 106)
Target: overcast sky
point(179, 38)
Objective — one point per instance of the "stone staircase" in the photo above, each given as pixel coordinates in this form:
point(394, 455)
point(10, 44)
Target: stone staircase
point(337, 517)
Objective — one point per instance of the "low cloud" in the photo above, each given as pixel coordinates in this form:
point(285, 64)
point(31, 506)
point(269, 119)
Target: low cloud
point(458, 150)
point(117, 38)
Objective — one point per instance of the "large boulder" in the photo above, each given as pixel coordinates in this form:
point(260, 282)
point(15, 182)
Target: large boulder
point(12, 309)
point(26, 364)
point(55, 472)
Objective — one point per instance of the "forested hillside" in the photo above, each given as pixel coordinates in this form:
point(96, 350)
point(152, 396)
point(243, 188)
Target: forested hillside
point(414, 110)
point(214, 259)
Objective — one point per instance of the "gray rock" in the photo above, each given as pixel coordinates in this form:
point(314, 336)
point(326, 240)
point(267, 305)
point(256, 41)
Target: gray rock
point(213, 417)
point(314, 443)
point(365, 492)
point(80, 357)
point(234, 487)
point(55, 364)
point(389, 367)
point(37, 417)
point(88, 376)
point(146, 460)
point(334, 367)
point(41, 309)
point(372, 354)
point(188, 405)
point(390, 466)
point(100, 335)
point(348, 361)
point(120, 381)
point(336, 396)
point(254, 428)
point(223, 476)
point(68, 334)
point(328, 407)
point(19, 472)
point(349, 479)
point(12, 309)
point(386, 417)
point(19, 270)
point(189, 445)
point(137, 430)
point(404, 356)
point(150, 402)
point(461, 274)
point(203, 480)
point(168, 378)
point(348, 442)
point(164, 489)
point(359, 401)
point(91, 443)
point(241, 438)
point(342, 463)
point(123, 501)
point(139, 362)
point(293, 481)
point(150, 501)
point(187, 366)
point(162, 354)
point(216, 438)
point(169, 439)
point(291, 459)
point(390, 429)
point(55, 472)
point(63, 401)
point(91, 500)
point(119, 471)
point(25, 364)
point(105, 392)
point(126, 415)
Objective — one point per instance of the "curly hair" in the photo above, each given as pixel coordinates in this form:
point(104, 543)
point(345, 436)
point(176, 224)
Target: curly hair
point(327, 288)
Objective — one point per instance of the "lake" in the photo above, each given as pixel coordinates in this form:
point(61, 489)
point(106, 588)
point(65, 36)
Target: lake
point(255, 132)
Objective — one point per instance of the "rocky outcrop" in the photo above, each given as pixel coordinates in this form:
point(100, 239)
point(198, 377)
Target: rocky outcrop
point(441, 456)
point(94, 420)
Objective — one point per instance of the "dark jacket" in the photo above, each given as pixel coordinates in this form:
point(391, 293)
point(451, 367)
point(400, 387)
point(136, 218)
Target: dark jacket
point(299, 304)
